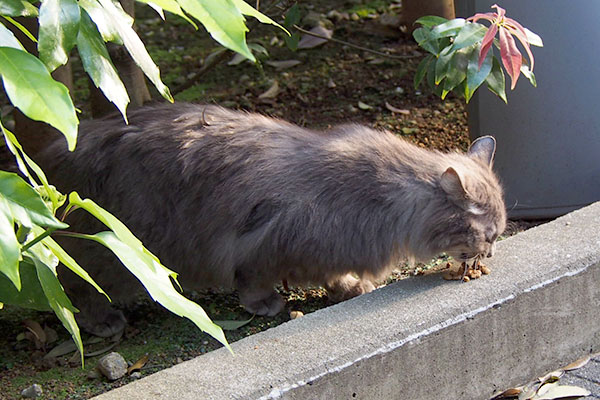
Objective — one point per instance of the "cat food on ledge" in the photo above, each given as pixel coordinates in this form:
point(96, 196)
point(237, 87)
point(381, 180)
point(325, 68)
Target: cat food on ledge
point(472, 272)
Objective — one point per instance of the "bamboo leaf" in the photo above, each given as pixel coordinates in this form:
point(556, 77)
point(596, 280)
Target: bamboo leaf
point(31, 294)
point(120, 21)
point(17, 8)
point(247, 9)
point(171, 6)
point(30, 88)
point(8, 39)
point(97, 63)
point(45, 265)
point(223, 21)
point(26, 205)
point(10, 251)
point(146, 267)
point(59, 23)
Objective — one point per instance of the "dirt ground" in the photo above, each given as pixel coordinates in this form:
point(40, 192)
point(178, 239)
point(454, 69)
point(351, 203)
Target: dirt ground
point(331, 84)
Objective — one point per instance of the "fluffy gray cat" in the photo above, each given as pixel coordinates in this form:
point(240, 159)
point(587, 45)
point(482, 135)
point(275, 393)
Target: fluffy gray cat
point(237, 200)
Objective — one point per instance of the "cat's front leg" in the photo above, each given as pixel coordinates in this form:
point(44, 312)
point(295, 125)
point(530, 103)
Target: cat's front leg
point(347, 286)
point(257, 297)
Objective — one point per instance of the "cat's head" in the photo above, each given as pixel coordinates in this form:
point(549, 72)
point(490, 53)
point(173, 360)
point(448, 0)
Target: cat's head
point(478, 214)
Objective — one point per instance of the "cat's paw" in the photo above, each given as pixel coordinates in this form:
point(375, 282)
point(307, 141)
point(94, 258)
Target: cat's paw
point(259, 304)
point(105, 324)
point(347, 286)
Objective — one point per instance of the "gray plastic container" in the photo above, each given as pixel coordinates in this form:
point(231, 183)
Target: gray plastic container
point(548, 155)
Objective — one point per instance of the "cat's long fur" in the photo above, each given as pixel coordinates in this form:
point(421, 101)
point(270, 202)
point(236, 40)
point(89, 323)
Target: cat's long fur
point(241, 200)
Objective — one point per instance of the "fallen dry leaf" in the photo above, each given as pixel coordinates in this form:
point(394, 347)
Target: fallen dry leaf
point(529, 390)
point(396, 110)
point(35, 328)
point(551, 391)
point(508, 393)
point(577, 364)
point(364, 106)
point(309, 42)
point(136, 366)
point(552, 376)
point(272, 92)
point(283, 64)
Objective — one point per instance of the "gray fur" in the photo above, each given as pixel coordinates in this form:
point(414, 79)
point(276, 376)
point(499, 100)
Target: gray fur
point(237, 200)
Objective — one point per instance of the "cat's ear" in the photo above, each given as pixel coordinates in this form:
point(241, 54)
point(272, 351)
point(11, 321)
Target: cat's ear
point(483, 148)
point(452, 184)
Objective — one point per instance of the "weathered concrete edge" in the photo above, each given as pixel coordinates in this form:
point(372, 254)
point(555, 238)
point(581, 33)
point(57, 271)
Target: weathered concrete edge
point(334, 347)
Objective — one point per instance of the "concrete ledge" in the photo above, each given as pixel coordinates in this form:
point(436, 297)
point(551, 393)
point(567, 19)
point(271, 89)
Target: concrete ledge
point(421, 338)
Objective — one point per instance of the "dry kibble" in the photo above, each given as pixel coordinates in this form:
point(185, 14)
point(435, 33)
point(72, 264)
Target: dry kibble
point(485, 270)
point(466, 278)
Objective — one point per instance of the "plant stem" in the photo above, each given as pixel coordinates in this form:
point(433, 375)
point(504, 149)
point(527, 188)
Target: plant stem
point(379, 53)
point(46, 233)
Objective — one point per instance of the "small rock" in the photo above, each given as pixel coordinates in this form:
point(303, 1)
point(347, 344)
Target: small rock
point(136, 375)
point(32, 391)
point(113, 366)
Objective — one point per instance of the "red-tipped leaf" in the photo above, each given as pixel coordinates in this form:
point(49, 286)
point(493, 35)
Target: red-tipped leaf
point(487, 16)
point(501, 11)
point(511, 56)
point(517, 29)
point(487, 42)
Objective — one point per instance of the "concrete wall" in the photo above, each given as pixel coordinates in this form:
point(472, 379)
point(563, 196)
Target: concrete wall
point(421, 338)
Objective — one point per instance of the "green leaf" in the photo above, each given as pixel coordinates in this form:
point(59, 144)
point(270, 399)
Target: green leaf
point(103, 21)
point(20, 27)
point(247, 9)
point(422, 70)
point(23, 161)
point(423, 38)
point(69, 262)
point(10, 250)
point(457, 71)
point(31, 294)
point(97, 63)
point(292, 41)
point(475, 75)
point(528, 74)
point(30, 88)
point(171, 6)
point(470, 34)
point(449, 28)
point(533, 38)
point(45, 265)
point(120, 21)
point(223, 21)
point(17, 8)
point(232, 325)
point(430, 21)
point(59, 23)
point(8, 39)
point(292, 16)
point(155, 278)
point(495, 80)
point(442, 64)
point(26, 205)
point(146, 267)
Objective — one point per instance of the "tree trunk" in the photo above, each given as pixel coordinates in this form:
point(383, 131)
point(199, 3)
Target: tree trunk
point(415, 9)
